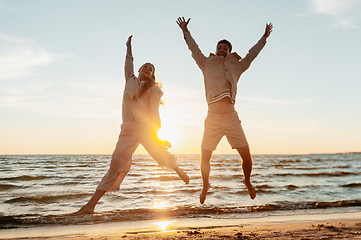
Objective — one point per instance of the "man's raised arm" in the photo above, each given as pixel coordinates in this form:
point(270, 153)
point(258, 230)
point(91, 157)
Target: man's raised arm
point(255, 50)
point(197, 54)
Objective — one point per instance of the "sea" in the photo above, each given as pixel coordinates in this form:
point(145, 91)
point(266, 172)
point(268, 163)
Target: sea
point(44, 190)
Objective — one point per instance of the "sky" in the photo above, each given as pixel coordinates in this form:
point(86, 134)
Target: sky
point(62, 73)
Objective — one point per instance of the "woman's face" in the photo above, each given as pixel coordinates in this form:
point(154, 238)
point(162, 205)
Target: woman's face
point(146, 71)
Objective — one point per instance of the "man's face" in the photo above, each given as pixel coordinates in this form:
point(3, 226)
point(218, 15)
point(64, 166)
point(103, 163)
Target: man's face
point(222, 49)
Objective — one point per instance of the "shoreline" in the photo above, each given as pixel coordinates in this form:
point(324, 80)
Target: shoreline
point(348, 224)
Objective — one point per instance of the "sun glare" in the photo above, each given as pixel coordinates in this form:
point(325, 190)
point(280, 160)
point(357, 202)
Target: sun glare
point(169, 133)
point(169, 130)
point(160, 204)
point(163, 225)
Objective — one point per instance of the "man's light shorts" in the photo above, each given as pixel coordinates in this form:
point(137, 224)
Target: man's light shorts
point(218, 125)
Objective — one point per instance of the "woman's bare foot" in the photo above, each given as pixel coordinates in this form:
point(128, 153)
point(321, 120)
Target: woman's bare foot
point(203, 195)
point(250, 188)
point(182, 175)
point(84, 210)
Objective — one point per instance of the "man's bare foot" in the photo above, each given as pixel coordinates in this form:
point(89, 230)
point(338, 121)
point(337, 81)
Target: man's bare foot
point(250, 188)
point(202, 196)
point(84, 210)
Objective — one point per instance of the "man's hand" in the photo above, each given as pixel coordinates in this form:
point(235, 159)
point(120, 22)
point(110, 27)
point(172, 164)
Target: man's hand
point(269, 28)
point(182, 23)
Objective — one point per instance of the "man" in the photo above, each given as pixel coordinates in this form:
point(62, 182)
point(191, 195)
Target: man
point(221, 72)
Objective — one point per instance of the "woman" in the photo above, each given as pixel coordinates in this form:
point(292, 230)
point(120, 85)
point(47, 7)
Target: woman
point(141, 121)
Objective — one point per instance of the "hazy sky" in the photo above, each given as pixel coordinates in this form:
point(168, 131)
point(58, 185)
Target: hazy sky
point(62, 78)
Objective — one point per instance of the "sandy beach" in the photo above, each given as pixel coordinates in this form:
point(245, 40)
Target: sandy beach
point(320, 226)
point(310, 230)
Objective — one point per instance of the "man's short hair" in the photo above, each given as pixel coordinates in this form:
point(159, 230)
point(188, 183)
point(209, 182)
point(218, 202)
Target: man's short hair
point(226, 42)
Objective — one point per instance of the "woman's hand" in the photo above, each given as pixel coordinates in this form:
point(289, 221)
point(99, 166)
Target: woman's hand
point(129, 42)
point(129, 46)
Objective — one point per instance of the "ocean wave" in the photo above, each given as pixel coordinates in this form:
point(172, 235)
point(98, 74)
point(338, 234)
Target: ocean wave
point(172, 212)
point(189, 190)
point(67, 183)
point(46, 198)
point(167, 178)
point(64, 187)
point(291, 187)
point(4, 187)
point(318, 174)
point(318, 167)
point(227, 177)
point(351, 185)
point(25, 178)
point(264, 186)
point(78, 166)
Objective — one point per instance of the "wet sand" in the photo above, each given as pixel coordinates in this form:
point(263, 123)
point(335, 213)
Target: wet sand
point(325, 226)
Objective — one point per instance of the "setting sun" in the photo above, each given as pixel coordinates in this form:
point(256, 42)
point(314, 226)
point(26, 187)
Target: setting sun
point(169, 130)
point(169, 133)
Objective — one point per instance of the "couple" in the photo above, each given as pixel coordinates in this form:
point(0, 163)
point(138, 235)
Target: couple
point(141, 120)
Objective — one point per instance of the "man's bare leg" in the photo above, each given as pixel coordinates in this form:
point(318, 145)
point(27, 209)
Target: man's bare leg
point(245, 154)
point(205, 170)
point(89, 207)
